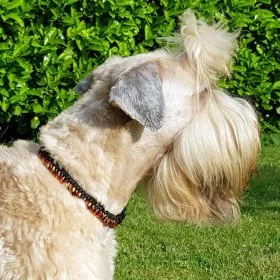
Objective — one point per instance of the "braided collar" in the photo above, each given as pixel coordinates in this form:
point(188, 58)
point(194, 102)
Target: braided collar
point(75, 189)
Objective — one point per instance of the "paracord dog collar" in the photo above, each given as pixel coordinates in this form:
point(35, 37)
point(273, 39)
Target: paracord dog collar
point(75, 189)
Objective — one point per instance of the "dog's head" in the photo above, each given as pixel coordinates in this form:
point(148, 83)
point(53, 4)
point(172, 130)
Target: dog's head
point(137, 91)
point(209, 140)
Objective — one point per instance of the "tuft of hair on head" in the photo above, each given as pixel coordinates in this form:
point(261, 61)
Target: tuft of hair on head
point(208, 49)
point(201, 176)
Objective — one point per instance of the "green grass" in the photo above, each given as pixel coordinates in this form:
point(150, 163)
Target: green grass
point(149, 249)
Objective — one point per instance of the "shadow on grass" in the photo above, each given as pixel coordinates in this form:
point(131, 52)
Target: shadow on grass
point(264, 192)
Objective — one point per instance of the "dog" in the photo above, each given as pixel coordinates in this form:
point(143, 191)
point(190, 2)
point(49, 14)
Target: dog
point(158, 117)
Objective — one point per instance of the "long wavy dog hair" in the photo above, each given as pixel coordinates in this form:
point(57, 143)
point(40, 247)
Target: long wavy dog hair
point(211, 159)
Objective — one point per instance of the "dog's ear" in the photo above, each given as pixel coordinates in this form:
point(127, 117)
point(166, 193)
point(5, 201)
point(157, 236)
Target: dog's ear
point(84, 85)
point(138, 93)
point(200, 178)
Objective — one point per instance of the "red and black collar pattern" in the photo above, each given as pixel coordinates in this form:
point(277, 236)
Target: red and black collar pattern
point(75, 189)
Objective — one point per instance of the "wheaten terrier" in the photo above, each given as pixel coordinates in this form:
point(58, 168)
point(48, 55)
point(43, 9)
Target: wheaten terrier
point(157, 116)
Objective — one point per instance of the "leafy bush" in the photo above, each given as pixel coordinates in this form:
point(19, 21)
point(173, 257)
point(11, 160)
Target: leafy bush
point(46, 46)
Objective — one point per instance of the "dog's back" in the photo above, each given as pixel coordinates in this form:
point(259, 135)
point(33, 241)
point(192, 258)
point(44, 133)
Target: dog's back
point(42, 235)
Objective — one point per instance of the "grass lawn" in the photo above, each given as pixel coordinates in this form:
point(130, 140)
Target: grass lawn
point(152, 250)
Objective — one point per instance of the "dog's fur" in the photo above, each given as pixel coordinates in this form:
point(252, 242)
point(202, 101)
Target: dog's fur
point(156, 116)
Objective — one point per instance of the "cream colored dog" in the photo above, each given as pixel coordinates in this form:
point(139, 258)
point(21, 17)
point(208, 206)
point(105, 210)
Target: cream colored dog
point(156, 116)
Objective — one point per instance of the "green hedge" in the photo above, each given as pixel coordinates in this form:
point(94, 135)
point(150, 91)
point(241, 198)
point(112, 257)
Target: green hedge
point(46, 46)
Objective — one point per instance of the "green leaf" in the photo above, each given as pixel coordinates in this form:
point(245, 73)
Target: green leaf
point(18, 110)
point(267, 107)
point(97, 42)
point(66, 55)
point(71, 32)
point(164, 2)
point(4, 92)
point(4, 46)
point(35, 122)
point(148, 32)
point(265, 1)
point(14, 17)
point(79, 44)
point(13, 4)
point(51, 34)
point(70, 2)
point(276, 85)
point(4, 106)
point(37, 108)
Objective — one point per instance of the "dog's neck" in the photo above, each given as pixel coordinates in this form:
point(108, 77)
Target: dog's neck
point(106, 162)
